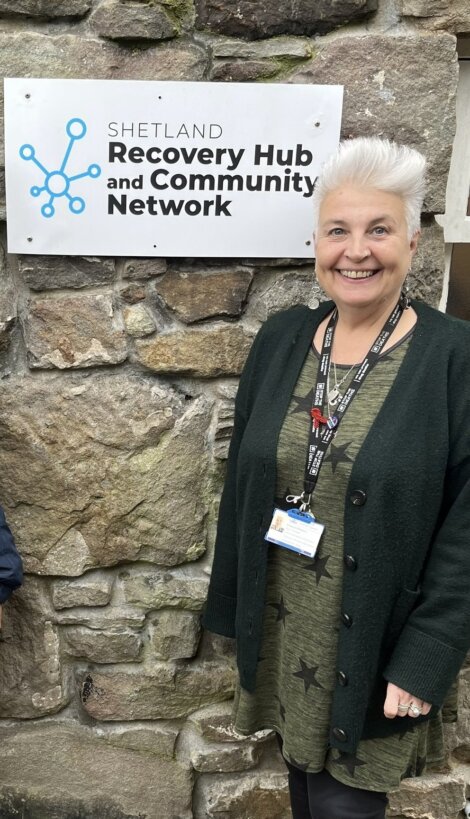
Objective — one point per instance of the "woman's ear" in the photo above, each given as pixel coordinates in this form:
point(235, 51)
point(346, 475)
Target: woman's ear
point(414, 242)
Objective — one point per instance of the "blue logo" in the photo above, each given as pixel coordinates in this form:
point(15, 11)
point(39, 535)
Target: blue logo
point(57, 182)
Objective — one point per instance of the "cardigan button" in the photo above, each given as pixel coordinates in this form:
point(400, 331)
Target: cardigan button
point(350, 562)
point(358, 497)
point(346, 619)
point(342, 678)
point(340, 734)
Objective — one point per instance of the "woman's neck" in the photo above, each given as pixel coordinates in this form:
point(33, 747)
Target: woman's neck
point(365, 319)
point(356, 331)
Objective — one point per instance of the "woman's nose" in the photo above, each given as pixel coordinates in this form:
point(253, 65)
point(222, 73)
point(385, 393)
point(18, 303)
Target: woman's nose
point(357, 248)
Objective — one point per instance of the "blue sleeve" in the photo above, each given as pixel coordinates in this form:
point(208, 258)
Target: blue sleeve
point(11, 567)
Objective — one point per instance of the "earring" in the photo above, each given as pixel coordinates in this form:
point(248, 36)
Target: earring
point(404, 300)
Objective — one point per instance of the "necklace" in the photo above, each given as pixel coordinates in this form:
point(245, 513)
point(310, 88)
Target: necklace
point(333, 394)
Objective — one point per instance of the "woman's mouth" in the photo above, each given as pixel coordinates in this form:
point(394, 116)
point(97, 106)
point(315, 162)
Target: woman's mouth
point(357, 274)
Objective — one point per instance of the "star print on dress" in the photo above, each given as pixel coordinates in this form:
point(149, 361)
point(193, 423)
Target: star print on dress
point(319, 567)
point(408, 773)
point(350, 762)
point(307, 674)
point(303, 404)
point(282, 611)
point(337, 455)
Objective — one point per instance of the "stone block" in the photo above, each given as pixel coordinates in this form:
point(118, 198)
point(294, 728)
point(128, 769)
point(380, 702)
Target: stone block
point(139, 321)
point(102, 646)
point(108, 618)
point(158, 738)
point(173, 635)
point(162, 691)
point(160, 589)
point(300, 48)
point(92, 589)
point(53, 272)
point(214, 723)
point(251, 796)
point(120, 20)
point(244, 70)
point(133, 293)
point(197, 295)
point(73, 331)
point(204, 353)
point(448, 15)
point(428, 267)
point(112, 491)
point(224, 421)
point(26, 54)
point(440, 796)
point(256, 18)
point(273, 291)
point(219, 757)
point(401, 87)
point(8, 303)
point(32, 683)
point(59, 770)
point(460, 740)
point(137, 269)
point(44, 8)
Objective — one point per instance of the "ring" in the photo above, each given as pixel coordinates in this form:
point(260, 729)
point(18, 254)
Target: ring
point(403, 707)
point(415, 710)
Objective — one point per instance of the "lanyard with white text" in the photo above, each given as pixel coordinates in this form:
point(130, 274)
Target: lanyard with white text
point(323, 430)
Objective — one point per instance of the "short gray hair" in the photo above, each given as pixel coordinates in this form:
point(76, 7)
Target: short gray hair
point(371, 162)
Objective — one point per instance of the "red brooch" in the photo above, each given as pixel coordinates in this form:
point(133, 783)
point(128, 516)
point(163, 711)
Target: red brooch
point(317, 417)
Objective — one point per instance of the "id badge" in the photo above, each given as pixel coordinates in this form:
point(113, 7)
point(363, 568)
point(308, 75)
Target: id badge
point(295, 530)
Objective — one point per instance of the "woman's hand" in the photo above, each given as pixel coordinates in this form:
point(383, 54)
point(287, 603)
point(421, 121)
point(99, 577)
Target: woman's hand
point(396, 700)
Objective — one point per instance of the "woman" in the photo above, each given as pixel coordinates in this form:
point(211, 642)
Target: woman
point(352, 618)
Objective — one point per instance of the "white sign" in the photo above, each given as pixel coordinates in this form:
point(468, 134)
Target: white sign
point(126, 168)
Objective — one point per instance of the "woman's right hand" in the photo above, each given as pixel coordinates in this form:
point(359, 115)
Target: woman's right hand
point(397, 697)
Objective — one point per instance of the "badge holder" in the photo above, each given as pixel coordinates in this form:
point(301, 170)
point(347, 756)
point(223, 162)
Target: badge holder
point(295, 530)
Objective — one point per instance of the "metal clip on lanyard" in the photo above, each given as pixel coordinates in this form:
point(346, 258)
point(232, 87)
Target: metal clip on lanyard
point(324, 429)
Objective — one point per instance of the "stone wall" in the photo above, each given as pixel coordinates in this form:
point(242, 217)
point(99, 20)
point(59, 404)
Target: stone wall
point(116, 403)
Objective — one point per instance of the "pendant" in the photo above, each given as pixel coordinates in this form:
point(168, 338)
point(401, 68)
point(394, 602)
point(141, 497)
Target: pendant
point(332, 422)
point(334, 396)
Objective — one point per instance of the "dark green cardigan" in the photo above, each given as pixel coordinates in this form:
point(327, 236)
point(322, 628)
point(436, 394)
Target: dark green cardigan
point(407, 530)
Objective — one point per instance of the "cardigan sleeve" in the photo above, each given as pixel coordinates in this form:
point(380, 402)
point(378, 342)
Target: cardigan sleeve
point(220, 610)
point(434, 642)
point(11, 573)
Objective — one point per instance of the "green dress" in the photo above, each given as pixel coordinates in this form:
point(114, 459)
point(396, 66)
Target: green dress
point(296, 674)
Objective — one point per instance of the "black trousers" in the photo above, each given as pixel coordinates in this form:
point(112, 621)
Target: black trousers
point(321, 796)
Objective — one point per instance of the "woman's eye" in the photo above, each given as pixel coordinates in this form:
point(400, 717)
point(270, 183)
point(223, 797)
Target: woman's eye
point(379, 230)
point(337, 231)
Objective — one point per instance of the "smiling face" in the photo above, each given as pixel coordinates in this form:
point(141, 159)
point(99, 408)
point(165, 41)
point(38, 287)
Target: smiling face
point(363, 252)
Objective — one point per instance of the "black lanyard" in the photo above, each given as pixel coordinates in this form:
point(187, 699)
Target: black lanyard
point(323, 430)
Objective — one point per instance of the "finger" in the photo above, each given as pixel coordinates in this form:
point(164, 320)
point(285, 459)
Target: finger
point(419, 704)
point(391, 703)
point(402, 710)
point(426, 708)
